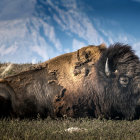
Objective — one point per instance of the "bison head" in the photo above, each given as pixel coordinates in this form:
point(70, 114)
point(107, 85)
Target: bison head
point(118, 83)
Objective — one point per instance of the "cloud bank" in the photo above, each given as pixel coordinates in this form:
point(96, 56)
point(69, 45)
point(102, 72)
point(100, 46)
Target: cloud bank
point(39, 30)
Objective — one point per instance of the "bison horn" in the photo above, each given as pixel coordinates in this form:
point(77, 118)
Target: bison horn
point(107, 71)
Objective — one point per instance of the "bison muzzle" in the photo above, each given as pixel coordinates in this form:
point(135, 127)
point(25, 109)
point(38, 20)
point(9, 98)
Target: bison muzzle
point(94, 81)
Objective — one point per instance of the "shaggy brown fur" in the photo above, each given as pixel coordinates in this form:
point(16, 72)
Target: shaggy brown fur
point(117, 93)
point(94, 81)
point(55, 88)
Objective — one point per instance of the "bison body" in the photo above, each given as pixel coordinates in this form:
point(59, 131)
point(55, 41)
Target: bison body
point(94, 81)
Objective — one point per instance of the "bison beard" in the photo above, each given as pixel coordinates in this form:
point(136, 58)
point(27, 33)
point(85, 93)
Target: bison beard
point(94, 81)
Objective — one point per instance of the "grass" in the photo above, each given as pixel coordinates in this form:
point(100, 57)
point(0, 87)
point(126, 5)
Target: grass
point(15, 68)
point(49, 129)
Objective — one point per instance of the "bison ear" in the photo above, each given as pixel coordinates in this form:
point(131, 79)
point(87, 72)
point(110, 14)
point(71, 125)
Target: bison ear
point(83, 54)
point(107, 70)
point(102, 46)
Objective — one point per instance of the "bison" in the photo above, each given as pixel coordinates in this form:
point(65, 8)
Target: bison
point(94, 81)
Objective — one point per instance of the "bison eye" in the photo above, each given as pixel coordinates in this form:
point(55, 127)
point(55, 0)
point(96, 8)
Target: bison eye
point(124, 80)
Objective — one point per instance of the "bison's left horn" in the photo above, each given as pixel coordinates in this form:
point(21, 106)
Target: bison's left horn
point(107, 71)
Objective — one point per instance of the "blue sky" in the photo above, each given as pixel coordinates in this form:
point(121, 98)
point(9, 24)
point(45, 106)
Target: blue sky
point(37, 30)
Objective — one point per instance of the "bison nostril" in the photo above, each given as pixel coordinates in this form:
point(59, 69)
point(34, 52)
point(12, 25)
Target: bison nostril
point(124, 81)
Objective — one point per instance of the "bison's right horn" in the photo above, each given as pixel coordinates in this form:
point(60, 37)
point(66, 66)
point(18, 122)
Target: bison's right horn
point(107, 71)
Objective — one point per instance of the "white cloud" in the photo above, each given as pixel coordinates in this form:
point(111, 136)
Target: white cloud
point(136, 0)
point(73, 21)
point(67, 50)
point(26, 33)
point(50, 33)
point(41, 51)
point(7, 51)
point(34, 60)
point(32, 34)
point(69, 4)
point(40, 45)
point(136, 47)
point(121, 36)
point(16, 9)
point(17, 24)
point(77, 44)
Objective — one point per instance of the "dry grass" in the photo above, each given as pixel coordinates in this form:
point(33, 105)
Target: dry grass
point(14, 69)
point(57, 129)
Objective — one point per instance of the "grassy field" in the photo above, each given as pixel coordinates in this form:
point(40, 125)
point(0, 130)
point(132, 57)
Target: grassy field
point(14, 68)
point(74, 129)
